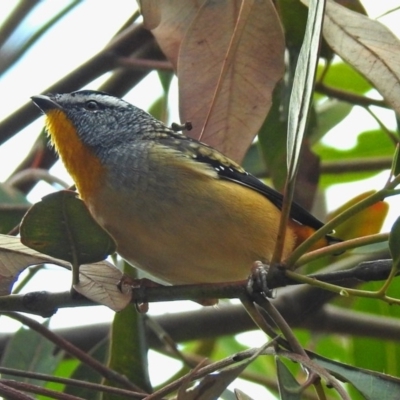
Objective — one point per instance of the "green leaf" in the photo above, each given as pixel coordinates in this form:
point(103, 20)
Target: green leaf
point(213, 385)
point(253, 161)
point(373, 385)
point(128, 347)
point(165, 80)
point(61, 226)
point(289, 388)
point(272, 140)
point(85, 373)
point(375, 353)
point(294, 18)
point(343, 76)
point(27, 350)
point(330, 114)
point(64, 369)
point(366, 148)
point(159, 108)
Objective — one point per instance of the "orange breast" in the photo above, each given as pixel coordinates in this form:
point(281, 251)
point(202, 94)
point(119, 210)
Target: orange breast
point(82, 164)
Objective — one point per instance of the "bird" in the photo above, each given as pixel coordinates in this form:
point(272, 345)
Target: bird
point(176, 208)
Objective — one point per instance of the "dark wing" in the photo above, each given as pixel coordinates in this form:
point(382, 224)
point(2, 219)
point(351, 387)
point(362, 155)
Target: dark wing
point(297, 212)
point(229, 170)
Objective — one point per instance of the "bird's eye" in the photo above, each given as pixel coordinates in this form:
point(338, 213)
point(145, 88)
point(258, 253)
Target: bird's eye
point(91, 105)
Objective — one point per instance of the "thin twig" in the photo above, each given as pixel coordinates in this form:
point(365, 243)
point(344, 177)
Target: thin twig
point(45, 304)
point(22, 9)
point(349, 97)
point(145, 64)
point(71, 382)
point(28, 387)
point(35, 175)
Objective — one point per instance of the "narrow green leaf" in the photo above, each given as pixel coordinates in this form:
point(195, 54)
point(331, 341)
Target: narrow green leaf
point(159, 108)
point(289, 388)
point(61, 226)
point(165, 79)
point(303, 84)
point(128, 347)
point(213, 385)
point(396, 161)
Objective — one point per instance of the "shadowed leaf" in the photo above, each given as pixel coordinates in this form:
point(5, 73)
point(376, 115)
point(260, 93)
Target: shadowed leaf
point(373, 385)
point(62, 227)
point(30, 351)
point(168, 22)
point(289, 388)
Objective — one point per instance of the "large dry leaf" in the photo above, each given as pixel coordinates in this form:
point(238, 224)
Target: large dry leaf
point(15, 257)
point(99, 282)
point(168, 21)
point(229, 63)
point(368, 46)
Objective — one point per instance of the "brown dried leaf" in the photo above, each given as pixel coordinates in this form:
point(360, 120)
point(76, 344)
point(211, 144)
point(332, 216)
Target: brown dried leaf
point(99, 282)
point(15, 257)
point(229, 63)
point(368, 46)
point(168, 22)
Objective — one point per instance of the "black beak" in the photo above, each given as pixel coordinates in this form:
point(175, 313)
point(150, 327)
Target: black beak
point(45, 103)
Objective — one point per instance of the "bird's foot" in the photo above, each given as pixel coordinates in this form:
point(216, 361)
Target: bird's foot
point(258, 280)
point(128, 283)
